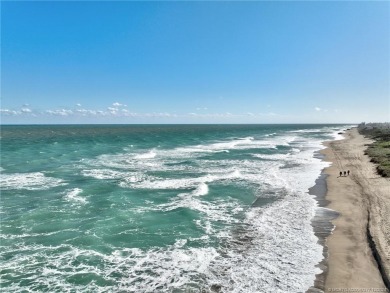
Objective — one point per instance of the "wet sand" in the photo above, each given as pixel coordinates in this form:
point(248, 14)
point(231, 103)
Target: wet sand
point(359, 247)
point(323, 227)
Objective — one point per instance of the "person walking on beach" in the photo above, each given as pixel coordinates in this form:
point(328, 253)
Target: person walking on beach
point(341, 174)
point(348, 172)
point(345, 173)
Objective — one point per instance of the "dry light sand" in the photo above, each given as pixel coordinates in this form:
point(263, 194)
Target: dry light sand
point(361, 195)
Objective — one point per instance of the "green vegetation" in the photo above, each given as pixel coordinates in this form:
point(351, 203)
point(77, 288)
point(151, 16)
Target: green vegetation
point(379, 151)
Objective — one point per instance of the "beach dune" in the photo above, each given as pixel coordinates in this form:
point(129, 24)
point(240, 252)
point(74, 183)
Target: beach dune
point(359, 249)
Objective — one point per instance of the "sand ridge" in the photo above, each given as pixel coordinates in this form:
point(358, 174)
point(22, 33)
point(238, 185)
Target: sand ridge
point(357, 197)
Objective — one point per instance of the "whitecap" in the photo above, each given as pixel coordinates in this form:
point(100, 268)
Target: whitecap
point(28, 181)
point(184, 183)
point(307, 131)
point(202, 189)
point(274, 157)
point(149, 155)
point(103, 173)
point(130, 179)
point(73, 195)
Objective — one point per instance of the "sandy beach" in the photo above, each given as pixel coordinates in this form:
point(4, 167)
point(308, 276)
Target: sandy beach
point(360, 240)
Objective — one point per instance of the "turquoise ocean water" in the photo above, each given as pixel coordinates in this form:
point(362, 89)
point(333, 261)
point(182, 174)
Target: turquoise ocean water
point(159, 208)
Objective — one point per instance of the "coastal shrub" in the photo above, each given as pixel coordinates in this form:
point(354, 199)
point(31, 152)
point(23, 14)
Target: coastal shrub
point(384, 171)
point(379, 151)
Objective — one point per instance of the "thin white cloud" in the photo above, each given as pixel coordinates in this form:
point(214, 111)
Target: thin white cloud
point(60, 112)
point(318, 109)
point(26, 110)
point(112, 110)
point(9, 112)
point(85, 112)
point(22, 111)
point(118, 111)
point(157, 115)
point(116, 104)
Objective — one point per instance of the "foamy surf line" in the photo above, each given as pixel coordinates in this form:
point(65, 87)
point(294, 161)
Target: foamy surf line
point(252, 253)
point(322, 221)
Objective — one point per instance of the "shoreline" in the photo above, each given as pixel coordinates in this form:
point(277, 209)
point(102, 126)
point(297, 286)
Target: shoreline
point(353, 250)
point(322, 227)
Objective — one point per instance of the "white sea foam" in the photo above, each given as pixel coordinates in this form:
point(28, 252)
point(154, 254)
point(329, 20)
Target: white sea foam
point(164, 160)
point(149, 155)
point(28, 235)
point(202, 189)
point(240, 144)
point(125, 161)
point(307, 131)
point(270, 134)
point(225, 146)
point(103, 173)
point(264, 259)
point(282, 251)
point(338, 135)
point(220, 170)
point(73, 195)
point(28, 181)
point(276, 253)
point(275, 157)
point(127, 269)
point(130, 179)
point(184, 183)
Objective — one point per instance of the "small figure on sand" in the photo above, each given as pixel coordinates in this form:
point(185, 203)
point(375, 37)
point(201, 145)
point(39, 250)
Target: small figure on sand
point(345, 173)
point(348, 172)
point(341, 173)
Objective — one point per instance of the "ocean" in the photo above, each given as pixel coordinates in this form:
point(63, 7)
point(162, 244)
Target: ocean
point(160, 208)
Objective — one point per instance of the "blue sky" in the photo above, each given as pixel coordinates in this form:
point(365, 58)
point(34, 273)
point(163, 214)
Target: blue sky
point(195, 62)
